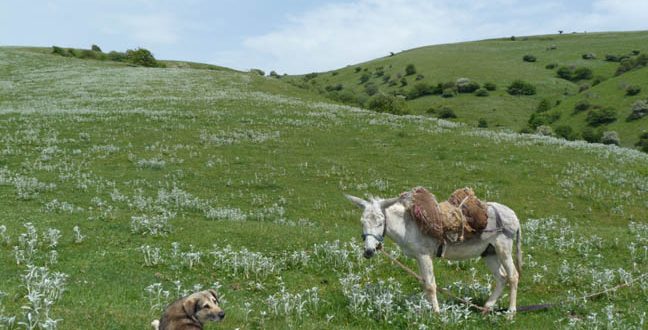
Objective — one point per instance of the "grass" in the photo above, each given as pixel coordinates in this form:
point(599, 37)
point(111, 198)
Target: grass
point(245, 176)
point(499, 61)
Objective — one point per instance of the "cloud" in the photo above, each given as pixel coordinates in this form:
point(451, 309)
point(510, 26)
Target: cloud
point(335, 35)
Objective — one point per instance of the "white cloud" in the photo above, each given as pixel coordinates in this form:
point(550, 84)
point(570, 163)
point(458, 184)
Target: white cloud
point(336, 35)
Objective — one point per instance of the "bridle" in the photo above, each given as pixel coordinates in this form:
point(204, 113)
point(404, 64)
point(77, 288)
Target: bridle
point(380, 238)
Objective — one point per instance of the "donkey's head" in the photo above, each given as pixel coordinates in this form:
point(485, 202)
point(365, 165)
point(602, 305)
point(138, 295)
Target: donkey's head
point(374, 222)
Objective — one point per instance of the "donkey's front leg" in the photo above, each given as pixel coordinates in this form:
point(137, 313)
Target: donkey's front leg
point(429, 283)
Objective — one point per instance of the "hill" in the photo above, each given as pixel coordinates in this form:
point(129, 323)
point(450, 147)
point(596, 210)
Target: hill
point(435, 69)
point(124, 187)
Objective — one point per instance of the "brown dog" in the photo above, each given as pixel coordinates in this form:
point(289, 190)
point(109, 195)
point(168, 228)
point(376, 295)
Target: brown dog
point(191, 312)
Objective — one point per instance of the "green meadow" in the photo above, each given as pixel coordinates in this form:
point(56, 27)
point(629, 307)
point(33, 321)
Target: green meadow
point(124, 188)
point(500, 62)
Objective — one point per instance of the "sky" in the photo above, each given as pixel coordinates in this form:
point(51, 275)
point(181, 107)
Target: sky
point(298, 36)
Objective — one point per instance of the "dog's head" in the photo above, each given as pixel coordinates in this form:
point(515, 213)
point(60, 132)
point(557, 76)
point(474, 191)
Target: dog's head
point(204, 306)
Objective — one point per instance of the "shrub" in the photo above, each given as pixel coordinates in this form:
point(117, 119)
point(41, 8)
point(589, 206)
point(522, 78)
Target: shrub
point(258, 72)
point(482, 92)
point(591, 135)
point(490, 86)
point(589, 56)
point(551, 66)
point(583, 87)
point(364, 78)
point(629, 64)
point(632, 90)
point(141, 56)
point(371, 89)
point(95, 48)
point(572, 73)
point(566, 132)
point(89, 54)
point(529, 58)
point(612, 58)
point(543, 106)
point(448, 92)
point(520, 87)
point(117, 56)
point(446, 113)
point(546, 118)
point(410, 69)
point(59, 51)
point(274, 74)
point(482, 123)
point(465, 85)
point(582, 73)
point(403, 82)
point(419, 77)
point(357, 69)
point(330, 88)
point(387, 103)
point(643, 142)
point(639, 110)
point(581, 106)
point(420, 89)
point(610, 137)
point(597, 117)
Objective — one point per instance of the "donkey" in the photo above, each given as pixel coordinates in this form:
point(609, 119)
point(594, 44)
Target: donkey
point(388, 217)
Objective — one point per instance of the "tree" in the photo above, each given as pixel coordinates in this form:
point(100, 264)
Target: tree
point(141, 56)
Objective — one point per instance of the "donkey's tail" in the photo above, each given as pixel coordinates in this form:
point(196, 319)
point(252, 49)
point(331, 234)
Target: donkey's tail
point(518, 252)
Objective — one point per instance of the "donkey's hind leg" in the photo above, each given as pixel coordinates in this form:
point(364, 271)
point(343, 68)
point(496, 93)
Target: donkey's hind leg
point(496, 268)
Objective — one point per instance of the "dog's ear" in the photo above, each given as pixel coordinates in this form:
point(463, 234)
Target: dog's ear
point(214, 294)
point(190, 305)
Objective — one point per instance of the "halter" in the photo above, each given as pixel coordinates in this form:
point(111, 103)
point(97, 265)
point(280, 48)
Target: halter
point(380, 238)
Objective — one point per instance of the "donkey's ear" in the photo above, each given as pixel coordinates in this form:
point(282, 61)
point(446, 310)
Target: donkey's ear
point(385, 203)
point(357, 201)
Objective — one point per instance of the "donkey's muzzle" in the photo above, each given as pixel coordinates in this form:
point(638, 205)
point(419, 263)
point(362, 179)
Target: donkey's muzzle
point(368, 253)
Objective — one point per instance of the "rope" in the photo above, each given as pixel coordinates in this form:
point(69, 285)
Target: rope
point(521, 308)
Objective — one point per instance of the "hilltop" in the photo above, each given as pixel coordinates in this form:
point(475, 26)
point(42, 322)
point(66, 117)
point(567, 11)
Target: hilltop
point(442, 80)
point(124, 187)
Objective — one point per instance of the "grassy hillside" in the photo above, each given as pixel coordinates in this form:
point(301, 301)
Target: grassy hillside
point(124, 187)
point(498, 61)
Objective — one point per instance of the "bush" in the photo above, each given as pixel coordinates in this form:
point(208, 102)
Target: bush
point(520, 87)
point(141, 56)
point(482, 92)
point(612, 58)
point(583, 87)
point(258, 72)
point(591, 135)
point(546, 118)
point(589, 56)
point(602, 116)
point(610, 137)
point(371, 89)
point(566, 132)
point(529, 58)
point(89, 54)
point(387, 103)
point(403, 82)
point(419, 77)
point(544, 130)
point(364, 78)
point(643, 142)
point(446, 113)
point(543, 106)
point(572, 73)
point(639, 110)
point(329, 88)
point(632, 90)
point(419, 90)
point(59, 51)
point(629, 64)
point(117, 56)
point(551, 66)
point(95, 48)
point(581, 106)
point(490, 86)
point(448, 92)
point(482, 123)
point(357, 69)
point(274, 74)
point(465, 85)
point(410, 69)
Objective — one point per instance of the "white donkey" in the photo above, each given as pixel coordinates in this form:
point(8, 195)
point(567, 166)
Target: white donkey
point(388, 217)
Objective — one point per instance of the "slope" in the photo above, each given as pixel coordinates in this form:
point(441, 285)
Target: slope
point(125, 187)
